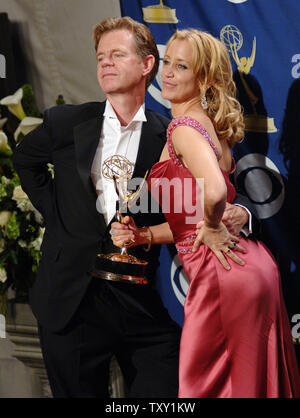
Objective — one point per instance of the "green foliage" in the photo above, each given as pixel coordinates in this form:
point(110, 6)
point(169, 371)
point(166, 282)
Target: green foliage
point(60, 100)
point(21, 225)
point(29, 102)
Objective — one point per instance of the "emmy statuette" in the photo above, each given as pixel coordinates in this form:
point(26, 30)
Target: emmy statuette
point(121, 267)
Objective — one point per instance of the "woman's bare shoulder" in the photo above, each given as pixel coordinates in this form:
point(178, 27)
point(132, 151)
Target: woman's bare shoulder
point(207, 124)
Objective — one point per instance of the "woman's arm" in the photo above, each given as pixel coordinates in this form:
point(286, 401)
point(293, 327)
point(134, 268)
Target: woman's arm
point(198, 155)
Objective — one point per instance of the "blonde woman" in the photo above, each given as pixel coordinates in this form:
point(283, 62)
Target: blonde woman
point(236, 340)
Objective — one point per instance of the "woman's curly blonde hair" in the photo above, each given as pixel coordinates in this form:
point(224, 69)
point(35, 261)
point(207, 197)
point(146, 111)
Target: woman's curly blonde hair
point(211, 65)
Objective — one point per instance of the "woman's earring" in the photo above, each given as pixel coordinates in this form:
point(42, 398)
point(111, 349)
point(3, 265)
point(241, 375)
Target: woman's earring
point(204, 102)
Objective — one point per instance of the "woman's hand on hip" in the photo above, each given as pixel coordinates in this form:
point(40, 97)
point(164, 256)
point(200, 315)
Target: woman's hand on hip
point(223, 244)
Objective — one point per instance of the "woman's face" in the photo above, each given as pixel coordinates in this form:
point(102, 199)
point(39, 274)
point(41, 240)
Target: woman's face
point(179, 83)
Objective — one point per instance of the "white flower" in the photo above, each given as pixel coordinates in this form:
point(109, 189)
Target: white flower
point(27, 125)
point(22, 243)
point(4, 217)
point(24, 204)
point(18, 193)
point(2, 245)
point(14, 104)
point(3, 275)
point(2, 123)
point(22, 200)
point(4, 147)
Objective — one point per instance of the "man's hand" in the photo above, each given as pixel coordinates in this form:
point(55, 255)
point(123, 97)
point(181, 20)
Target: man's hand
point(235, 218)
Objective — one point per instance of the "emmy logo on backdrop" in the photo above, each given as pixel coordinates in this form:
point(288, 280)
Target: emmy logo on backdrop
point(159, 13)
point(121, 266)
point(232, 38)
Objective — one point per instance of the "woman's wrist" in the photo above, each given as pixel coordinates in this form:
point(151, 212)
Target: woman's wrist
point(212, 224)
point(145, 237)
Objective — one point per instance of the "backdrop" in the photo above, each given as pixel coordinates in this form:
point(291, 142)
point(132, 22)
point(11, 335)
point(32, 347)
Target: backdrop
point(262, 38)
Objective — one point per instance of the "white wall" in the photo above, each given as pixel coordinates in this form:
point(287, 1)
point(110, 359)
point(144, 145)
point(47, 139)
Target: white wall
point(56, 36)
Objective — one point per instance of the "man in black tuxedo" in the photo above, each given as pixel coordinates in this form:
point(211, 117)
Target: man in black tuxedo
point(83, 320)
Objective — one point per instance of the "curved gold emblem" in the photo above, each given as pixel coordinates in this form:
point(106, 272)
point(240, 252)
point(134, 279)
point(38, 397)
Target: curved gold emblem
point(232, 38)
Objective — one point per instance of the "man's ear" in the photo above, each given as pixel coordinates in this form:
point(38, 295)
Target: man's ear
point(149, 62)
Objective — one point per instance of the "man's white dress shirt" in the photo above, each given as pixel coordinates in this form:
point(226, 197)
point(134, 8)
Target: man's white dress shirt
point(114, 139)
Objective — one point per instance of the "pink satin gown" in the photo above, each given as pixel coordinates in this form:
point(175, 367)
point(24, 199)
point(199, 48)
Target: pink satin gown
point(236, 340)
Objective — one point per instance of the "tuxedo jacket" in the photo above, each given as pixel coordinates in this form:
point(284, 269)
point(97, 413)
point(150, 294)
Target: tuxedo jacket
point(75, 231)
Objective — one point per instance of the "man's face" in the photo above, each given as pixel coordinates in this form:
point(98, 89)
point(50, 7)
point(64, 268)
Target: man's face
point(119, 68)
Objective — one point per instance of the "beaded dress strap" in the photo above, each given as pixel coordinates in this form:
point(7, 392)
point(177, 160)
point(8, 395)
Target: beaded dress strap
point(193, 123)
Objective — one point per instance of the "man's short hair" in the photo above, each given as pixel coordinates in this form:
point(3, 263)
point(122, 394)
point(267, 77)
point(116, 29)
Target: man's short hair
point(144, 41)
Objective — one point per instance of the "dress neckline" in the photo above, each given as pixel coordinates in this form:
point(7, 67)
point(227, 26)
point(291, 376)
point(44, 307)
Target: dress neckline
point(193, 123)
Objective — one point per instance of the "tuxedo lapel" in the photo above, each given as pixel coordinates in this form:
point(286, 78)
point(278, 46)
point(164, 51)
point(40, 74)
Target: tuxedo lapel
point(86, 139)
point(153, 138)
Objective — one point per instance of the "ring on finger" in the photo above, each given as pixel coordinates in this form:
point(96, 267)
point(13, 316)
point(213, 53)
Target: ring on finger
point(131, 241)
point(112, 232)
